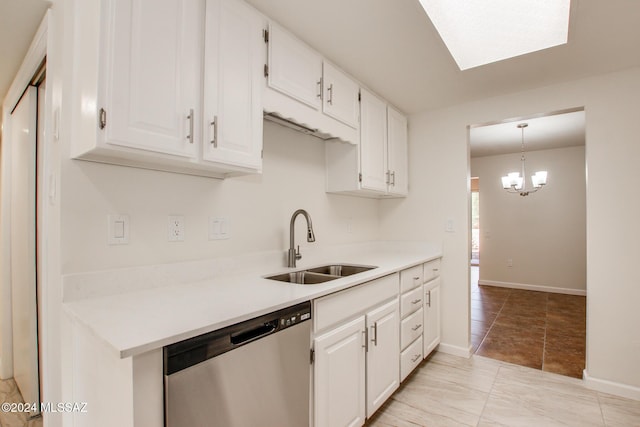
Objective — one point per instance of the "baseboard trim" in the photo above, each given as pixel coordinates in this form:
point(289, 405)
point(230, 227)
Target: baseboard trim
point(606, 386)
point(455, 350)
point(539, 288)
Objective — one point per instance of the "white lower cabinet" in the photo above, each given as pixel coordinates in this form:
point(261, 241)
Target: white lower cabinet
point(339, 380)
point(356, 348)
point(382, 355)
point(431, 315)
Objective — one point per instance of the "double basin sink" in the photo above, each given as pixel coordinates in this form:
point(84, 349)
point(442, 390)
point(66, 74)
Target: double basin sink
point(320, 274)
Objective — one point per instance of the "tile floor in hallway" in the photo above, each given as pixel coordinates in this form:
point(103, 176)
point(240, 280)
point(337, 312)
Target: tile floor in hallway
point(455, 391)
point(536, 329)
point(9, 393)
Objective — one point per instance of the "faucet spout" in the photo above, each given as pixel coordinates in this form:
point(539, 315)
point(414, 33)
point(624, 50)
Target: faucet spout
point(294, 254)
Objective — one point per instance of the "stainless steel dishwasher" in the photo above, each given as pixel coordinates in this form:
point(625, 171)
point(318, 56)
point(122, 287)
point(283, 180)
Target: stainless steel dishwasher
point(254, 373)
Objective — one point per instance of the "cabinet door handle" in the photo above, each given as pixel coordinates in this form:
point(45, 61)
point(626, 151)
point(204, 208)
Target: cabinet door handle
point(415, 328)
point(366, 339)
point(388, 181)
point(190, 118)
point(416, 301)
point(214, 124)
point(429, 301)
point(319, 83)
point(330, 90)
point(416, 357)
point(374, 328)
point(393, 178)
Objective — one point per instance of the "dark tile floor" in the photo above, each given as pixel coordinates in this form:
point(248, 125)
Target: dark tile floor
point(536, 329)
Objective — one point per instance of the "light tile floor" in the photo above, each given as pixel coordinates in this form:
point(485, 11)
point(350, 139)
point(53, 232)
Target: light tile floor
point(454, 391)
point(9, 393)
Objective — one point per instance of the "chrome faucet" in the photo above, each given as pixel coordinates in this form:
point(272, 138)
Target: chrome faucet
point(294, 254)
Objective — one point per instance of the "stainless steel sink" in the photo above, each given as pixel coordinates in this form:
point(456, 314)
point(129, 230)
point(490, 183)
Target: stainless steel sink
point(320, 274)
point(341, 270)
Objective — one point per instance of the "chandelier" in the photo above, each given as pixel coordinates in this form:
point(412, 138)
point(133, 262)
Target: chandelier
point(515, 183)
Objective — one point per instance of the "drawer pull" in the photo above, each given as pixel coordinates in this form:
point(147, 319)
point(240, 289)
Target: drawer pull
point(416, 301)
point(436, 269)
point(416, 278)
point(416, 357)
point(415, 328)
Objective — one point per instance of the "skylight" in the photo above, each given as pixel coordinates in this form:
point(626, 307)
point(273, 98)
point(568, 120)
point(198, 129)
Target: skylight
point(478, 32)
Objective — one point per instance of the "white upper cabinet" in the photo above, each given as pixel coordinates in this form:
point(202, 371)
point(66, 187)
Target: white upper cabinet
point(398, 182)
point(294, 68)
point(172, 85)
point(234, 55)
point(152, 62)
point(377, 167)
point(304, 89)
point(373, 142)
point(340, 97)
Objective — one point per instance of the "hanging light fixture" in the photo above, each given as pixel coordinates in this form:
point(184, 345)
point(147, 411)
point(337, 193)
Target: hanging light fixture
point(514, 183)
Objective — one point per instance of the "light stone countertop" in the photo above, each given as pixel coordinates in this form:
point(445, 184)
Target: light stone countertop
point(136, 310)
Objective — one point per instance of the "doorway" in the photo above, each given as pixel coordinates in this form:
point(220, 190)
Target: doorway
point(528, 301)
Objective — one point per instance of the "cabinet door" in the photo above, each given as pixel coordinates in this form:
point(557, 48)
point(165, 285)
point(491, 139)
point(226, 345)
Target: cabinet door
point(234, 51)
point(383, 355)
point(340, 99)
point(339, 376)
point(431, 316)
point(294, 68)
point(397, 151)
point(151, 81)
point(373, 142)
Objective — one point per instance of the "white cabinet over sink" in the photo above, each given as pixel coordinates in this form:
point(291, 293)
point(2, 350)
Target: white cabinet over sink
point(304, 88)
point(146, 70)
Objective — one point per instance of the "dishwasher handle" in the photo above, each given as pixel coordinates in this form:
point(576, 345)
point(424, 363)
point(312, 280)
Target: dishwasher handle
point(254, 333)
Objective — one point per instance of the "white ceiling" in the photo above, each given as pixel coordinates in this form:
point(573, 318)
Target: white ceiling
point(19, 20)
point(543, 133)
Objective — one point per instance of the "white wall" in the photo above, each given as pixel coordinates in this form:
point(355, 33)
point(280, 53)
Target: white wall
point(258, 207)
point(545, 233)
point(440, 190)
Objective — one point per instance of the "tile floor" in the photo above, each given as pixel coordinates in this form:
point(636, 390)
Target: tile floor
point(454, 391)
point(535, 329)
point(9, 393)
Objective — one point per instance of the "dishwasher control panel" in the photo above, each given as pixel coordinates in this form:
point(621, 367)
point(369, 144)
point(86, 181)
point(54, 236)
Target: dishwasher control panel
point(295, 319)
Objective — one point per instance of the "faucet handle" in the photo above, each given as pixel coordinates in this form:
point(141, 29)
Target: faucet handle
point(298, 254)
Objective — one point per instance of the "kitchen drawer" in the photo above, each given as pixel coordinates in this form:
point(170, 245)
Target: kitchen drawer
point(410, 358)
point(410, 301)
point(411, 328)
point(347, 304)
point(411, 278)
point(431, 269)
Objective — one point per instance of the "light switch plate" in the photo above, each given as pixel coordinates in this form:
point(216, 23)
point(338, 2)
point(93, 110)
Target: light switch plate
point(219, 228)
point(118, 229)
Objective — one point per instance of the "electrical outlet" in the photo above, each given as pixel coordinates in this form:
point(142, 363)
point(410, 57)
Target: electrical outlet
point(176, 228)
point(509, 262)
